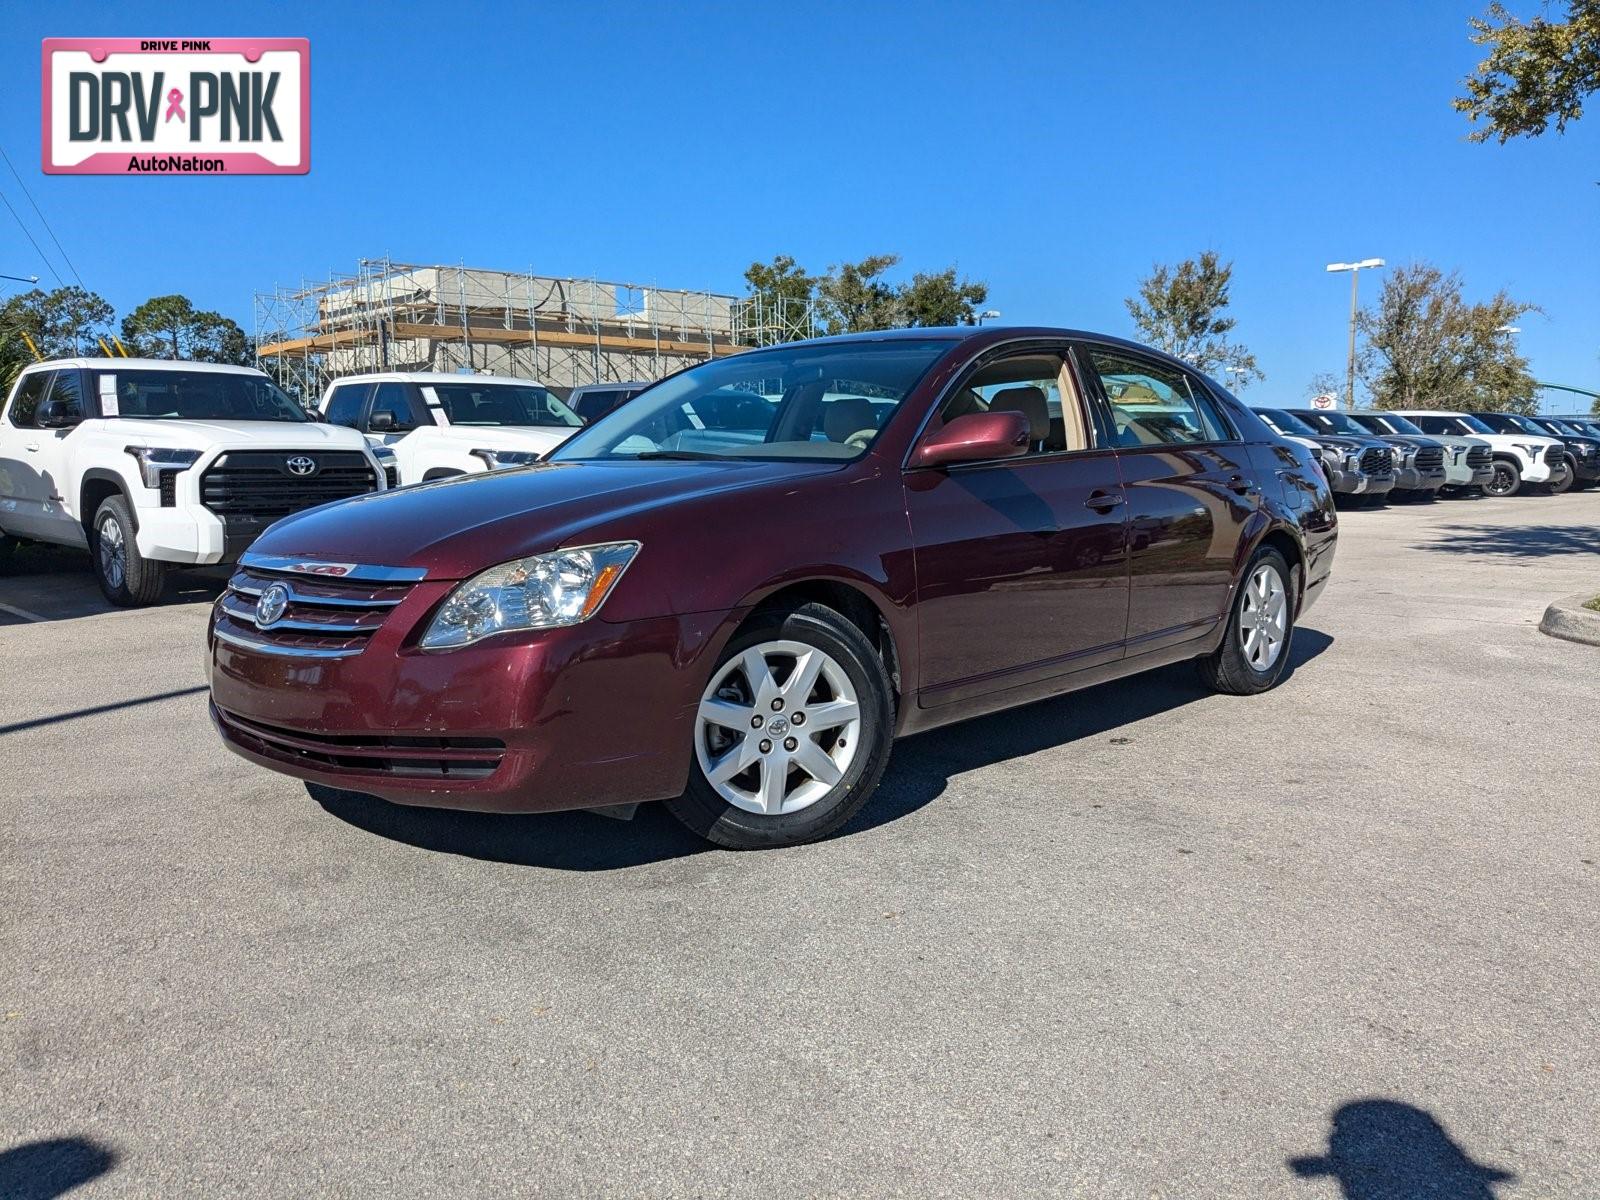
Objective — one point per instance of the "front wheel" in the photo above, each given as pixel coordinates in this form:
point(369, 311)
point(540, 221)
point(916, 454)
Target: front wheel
point(1255, 648)
point(1507, 479)
point(792, 733)
point(127, 578)
point(1560, 483)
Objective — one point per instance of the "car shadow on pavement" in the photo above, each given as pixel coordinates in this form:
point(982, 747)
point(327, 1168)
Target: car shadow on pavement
point(919, 770)
point(1516, 541)
point(1388, 1150)
point(46, 1169)
point(40, 583)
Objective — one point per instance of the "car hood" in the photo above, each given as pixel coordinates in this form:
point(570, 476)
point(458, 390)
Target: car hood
point(1346, 444)
point(234, 435)
point(502, 437)
point(455, 528)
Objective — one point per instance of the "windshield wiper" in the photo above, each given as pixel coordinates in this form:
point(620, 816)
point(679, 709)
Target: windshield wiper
point(683, 454)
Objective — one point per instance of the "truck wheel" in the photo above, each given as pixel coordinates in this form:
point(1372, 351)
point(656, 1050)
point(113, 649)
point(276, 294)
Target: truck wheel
point(1255, 648)
point(1560, 483)
point(1507, 479)
point(127, 578)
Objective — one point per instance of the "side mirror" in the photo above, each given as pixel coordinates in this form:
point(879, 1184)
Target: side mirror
point(381, 422)
point(975, 437)
point(58, 414)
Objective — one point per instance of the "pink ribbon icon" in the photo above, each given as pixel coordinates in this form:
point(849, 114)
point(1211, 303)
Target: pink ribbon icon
point(175, 106)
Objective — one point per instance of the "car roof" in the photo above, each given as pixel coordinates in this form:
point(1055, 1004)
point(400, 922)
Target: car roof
point(610, 387)
point(141, 364)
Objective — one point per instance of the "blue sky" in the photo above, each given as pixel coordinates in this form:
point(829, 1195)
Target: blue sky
point(1053, 150)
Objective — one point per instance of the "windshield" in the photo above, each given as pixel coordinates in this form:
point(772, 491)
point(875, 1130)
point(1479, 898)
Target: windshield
point(1282, 422)
point(476, 403)
point(1472, 423)
point(806, 401)
point(1335, 422)
point(1386, 423)
point(157, 395)
point(1527, 425)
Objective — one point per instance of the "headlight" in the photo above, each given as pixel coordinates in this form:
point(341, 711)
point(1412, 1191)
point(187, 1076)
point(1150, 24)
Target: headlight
point(383, 454)
point(544, 591)
point(1352, 461)
point(155, 460)
point(499, 459)
point(1401, 453)
point(1530, 450)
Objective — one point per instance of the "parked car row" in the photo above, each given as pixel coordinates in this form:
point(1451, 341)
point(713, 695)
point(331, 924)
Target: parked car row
point(1373, 454)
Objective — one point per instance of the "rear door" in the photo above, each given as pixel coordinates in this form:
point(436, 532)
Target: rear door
point(1022, 571)
point(1191, 488)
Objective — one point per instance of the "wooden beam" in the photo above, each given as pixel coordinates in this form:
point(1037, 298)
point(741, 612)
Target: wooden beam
point(489, 335)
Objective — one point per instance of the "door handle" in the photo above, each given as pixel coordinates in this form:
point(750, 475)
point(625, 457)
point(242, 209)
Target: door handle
point(1104, 501)
point(1242, 486)
point(31, 445)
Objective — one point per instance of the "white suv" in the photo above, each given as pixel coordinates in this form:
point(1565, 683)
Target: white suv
point(1518, 458)
point(149, 462)
point(440, 425)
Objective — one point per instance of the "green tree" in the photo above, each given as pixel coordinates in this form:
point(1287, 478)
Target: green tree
point(1427, 347)
point(941, 299)
point(1324, 383)
point(171, 327)
point(62, 323)
point(779, 305)
point(855, 298)
point(1182, 310)
point(1538, 72)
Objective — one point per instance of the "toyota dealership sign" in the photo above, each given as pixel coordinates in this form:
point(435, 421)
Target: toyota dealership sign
point(177, 106)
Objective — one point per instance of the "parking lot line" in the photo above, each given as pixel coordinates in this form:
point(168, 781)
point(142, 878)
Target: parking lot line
point(24, 613)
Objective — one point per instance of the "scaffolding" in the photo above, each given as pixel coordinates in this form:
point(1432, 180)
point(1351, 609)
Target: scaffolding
point(391, 316)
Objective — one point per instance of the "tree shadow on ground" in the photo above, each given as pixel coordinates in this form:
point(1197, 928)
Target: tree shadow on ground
point(1388, 1150)
point(1514, 541)
point(46, 1169)
point(919, 772)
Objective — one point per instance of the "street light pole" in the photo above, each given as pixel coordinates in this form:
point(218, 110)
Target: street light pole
point(1355, 269)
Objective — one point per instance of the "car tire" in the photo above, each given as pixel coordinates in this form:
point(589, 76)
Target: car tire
point(774, 800)
point(125, 576)
point(1507, 479)
point(1244, 665)
point(8, 547)
point(1562, 483)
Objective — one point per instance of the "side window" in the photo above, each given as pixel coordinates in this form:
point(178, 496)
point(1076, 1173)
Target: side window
point(344, 404)
point(1152, 404)
point(30, 393)
point(69, 389)
point(394, 399)
point(1040, 387)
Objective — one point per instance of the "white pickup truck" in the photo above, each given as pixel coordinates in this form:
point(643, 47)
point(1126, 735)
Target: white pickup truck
point(439, 425)
point(148, 463)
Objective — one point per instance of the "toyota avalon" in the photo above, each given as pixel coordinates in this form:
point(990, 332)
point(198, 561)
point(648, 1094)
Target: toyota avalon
point(735, 591)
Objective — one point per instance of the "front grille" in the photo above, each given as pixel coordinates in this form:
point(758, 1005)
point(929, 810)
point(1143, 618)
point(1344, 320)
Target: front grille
point(326, 617)
point(1430, 458)
point(1377, 462)
point(259, 485)
point(441, 758)
point(1479, 456)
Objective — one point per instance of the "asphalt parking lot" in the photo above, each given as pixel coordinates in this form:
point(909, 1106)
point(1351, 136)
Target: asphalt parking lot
point(1337, 940)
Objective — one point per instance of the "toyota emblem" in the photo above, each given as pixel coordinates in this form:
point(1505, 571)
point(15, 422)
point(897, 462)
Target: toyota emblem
point(301, 465)
point(270, 604)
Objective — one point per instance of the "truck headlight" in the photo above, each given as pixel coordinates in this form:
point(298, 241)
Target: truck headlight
point(1529, 449)
point(1352, 461)
point(543, 591)
point(154, 461)
point(500, 459)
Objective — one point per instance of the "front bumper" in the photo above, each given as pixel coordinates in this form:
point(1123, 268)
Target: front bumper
point(1353, 481)
point(1410, 479)
point(594, 715)
point(1587, 469)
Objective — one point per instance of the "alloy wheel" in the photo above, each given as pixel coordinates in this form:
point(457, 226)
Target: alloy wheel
point(1502, 483)
point(112, 552)
point(778, 727)
point(1263, 618)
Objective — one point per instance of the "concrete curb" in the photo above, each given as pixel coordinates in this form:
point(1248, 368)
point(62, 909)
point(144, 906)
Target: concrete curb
point(1568, 618)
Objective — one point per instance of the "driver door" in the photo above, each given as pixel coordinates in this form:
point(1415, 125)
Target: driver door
point(1022, 566)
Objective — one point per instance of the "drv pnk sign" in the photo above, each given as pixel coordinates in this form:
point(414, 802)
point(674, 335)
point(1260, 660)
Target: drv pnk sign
point(177, 106)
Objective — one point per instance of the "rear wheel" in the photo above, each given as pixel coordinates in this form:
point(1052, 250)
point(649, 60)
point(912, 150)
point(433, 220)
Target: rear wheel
point(792, 733)
point(127, 578)
point(1507, 479)
point(1255, 649)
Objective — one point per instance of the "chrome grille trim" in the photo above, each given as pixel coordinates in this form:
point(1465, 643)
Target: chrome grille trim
point(248, 643)
point(321, 569)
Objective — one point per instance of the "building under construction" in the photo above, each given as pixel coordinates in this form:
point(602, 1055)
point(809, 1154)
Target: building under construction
point(563, 332)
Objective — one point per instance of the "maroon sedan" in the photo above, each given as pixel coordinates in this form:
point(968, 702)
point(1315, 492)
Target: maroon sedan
point(733, 593)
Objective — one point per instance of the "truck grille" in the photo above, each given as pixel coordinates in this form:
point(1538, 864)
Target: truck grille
point(1430, 458)
point(443, 758)
point(1377, 462)
point(1479, 456)
point(326, 617)
point(259, 484)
